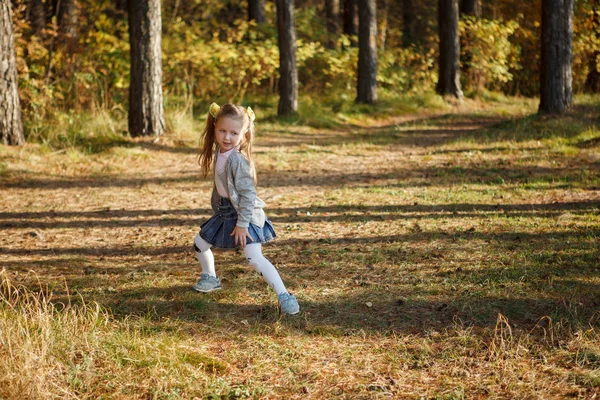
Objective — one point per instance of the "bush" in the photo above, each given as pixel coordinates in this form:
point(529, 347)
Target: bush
point(487, 55)
point(408, 69)
point(220, 70)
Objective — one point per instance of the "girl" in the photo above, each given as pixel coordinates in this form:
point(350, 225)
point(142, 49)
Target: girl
point(239, 219)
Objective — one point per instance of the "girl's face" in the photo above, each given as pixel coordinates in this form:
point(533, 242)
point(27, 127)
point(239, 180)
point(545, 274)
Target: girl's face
point(228, 133)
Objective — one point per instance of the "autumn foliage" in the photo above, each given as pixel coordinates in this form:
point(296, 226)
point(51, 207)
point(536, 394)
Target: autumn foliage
point(212, 52)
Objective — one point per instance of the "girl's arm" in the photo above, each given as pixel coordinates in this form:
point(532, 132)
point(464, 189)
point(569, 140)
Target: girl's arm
point(244, 185)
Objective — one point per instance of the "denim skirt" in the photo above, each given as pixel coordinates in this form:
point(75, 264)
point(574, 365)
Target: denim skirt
point(217, 230)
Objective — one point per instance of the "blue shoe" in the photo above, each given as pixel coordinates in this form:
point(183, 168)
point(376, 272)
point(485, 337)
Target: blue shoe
point(288, 304)
point(207, 283)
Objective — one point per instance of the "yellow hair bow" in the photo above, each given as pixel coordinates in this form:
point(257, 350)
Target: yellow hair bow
point(251, 114)
point(213, 109)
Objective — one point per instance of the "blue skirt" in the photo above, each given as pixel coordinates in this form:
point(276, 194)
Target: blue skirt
point(217, 230)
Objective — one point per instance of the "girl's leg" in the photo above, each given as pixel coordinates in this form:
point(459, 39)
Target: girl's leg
point(205, 256)
point(264, 267)
point(208, 279)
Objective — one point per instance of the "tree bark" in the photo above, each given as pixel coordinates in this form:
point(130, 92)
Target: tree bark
point(383, 25)
point(145, 87)
point(449, 75)
point(37, 16)
point(288, 71)
point(122, 6)
point(68, 15)
point(556, 76)
point(11, 126)
point(592, 81)
point(351, 20)
point(332, 15)
point(367, 52)
point(471, 7)
point(68, 25)
point(408, 22)
point(256, 11)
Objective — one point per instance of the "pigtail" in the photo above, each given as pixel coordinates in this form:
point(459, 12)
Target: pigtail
point(246, 148)
point(207, 140)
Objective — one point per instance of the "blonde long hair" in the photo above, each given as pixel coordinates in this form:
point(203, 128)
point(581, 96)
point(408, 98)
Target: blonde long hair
point(208, 142)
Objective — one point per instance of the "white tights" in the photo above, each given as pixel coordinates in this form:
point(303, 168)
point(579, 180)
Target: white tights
point(253, 252)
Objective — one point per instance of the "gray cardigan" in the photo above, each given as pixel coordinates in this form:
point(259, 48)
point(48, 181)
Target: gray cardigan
point(241, 190)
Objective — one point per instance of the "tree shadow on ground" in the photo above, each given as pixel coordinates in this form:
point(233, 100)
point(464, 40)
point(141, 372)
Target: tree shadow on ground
point(442, 176)
point(422, 132)
point(539, 127)
point(94, 181)
point(286, 215)
point(559, 282)
point(396, 311)
point(445, 175)
point(430, 131)
point(150, 251)
point(100, 144)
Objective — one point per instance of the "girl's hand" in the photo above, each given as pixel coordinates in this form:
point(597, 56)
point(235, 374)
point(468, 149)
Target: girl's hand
point(240, 235)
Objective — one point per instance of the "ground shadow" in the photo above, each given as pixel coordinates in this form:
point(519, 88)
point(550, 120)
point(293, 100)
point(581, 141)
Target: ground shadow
point(100, 144)
point(402, 311)
point(430, 131)
point(286, 215)
point(94, 181)
point(446, 176)
point(553, 283)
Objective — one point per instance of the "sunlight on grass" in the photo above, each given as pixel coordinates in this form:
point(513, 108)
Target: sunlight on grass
point(437, 251)
point(87, 132)
point(51, 349)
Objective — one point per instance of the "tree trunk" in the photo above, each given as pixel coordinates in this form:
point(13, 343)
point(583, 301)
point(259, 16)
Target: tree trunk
point(68, 25)
point(408, 22)
point(37, 16)
point(122, 6)
point(556, 75)
point(288, 71)
point(68, 15)
point(383, 26)
point(351, 20)
point(11, 126)
point(449, 76)
point(145, 87)
point(592, 81)
point(332, 15)
point(471, 7)
point(367, 52)
point(256, 11)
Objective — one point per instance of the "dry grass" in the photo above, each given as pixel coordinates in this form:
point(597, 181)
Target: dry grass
point(441, 256)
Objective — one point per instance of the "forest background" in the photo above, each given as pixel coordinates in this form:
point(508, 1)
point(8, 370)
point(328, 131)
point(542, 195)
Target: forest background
point(212, 52)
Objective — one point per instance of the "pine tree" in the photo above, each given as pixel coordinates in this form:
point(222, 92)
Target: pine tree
point(11, 126)
point(145, 88)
